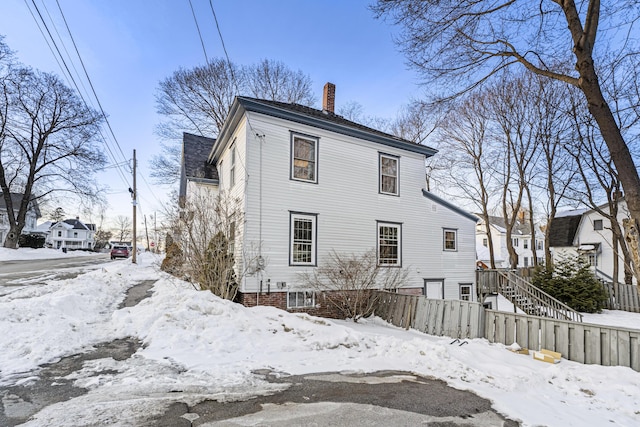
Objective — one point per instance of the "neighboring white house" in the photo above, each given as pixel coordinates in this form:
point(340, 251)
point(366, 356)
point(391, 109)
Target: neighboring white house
point(33, 213)
point(311, 182)
point(521, 236)
point(587, 234)
point(71, 234)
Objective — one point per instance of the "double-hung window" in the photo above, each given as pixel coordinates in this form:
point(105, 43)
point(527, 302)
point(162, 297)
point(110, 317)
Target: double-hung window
point(304, 158)
point(465, 291)
point(389, 244)
point(388, 174)
point(302, 249)
point(450, 239)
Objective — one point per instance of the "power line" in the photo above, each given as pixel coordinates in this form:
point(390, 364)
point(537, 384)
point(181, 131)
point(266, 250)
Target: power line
point(71, 77)
point(199, 33)
point(224, 48)
point(89, 80)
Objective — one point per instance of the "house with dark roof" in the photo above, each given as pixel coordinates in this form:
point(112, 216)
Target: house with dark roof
point(195, 169)
point(310, 183)
point(526, 244)
point(33, 213)
point(71, 234)
point(587, 234)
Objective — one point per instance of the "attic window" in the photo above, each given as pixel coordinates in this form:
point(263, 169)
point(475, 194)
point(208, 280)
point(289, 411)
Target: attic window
point(597, 224)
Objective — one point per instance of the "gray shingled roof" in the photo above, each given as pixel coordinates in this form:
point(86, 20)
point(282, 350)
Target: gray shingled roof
point(196, 151)
point(334, 121)
point(563, 230)
point(79, 225)
point(521, 228)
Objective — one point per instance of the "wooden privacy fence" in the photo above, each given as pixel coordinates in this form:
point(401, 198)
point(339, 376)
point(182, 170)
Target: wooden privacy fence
point(622, 297)
point(580, 342)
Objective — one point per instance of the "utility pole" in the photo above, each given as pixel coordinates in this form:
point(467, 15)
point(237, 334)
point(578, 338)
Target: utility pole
point(146, 232)
point(134, 258)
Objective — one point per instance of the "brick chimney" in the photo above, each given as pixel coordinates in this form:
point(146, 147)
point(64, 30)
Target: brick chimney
point(329, 97)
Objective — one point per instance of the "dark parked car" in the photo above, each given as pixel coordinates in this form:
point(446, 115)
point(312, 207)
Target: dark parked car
point(119, 252)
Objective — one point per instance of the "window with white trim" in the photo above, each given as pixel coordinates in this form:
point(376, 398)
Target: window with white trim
point(539, 245)
point(59, 233)
point(597, 224)
point(301, 299)
point(389, 244)
point(465, 291)
point(450, 239)
point(302, 249)
point(485, 242)
point(525, 244)
point(515, 242)
point(304, 158)
point(388, 174)
point(232, 167)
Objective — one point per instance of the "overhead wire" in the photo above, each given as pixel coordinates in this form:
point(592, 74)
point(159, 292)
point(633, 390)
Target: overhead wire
point(199, 32)
point(64, 67)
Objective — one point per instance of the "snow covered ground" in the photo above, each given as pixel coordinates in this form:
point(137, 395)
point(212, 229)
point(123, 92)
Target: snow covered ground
point(28, 254)
point(207, 348)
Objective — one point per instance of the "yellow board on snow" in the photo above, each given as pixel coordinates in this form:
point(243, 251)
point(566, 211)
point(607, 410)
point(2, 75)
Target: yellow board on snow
point(547, 356)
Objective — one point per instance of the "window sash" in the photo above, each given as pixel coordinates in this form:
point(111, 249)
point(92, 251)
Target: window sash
point(304, 159)
point(303, 234)
point(388, 175)
point(389, 244)
point(597, 224)
point(465, 292)
point(450, 240)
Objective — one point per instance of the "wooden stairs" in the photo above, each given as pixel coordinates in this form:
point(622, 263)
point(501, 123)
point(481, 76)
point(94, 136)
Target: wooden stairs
point(523, 295)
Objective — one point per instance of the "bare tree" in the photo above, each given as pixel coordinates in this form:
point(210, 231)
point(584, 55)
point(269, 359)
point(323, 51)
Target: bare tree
point(473, 156)
point(48, 143)
point(599, 180)
point(123, 228)
point(347, 282)
point(198, 100)
point(273, 80)
point(463, 43)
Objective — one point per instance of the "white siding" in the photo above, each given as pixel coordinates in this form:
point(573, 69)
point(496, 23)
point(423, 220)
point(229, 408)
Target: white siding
point(347, 204)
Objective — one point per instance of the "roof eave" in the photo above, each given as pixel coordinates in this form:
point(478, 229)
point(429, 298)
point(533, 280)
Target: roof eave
point(449, 205)
point(270, 110)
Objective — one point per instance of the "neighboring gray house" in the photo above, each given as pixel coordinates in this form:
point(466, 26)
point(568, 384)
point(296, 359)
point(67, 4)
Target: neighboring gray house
point(71, 234)
point(311, 182)
point(194, 165)
point(33, 213)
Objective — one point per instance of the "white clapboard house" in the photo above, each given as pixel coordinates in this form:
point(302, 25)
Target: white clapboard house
point(311, 182)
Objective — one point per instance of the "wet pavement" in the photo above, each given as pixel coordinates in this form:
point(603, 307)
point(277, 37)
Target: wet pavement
point(324, 399)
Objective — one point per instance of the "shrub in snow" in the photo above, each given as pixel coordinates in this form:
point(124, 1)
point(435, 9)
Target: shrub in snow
point(571, 281)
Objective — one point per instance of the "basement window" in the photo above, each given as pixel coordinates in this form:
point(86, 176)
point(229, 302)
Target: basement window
point(301, 299)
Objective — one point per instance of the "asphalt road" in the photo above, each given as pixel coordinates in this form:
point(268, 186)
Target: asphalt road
point(31, 272)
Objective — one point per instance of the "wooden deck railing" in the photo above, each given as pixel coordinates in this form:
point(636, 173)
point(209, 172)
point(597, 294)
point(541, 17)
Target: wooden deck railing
point(524, 295)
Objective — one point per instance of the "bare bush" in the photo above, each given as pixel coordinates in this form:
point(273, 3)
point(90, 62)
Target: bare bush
point(348, 280)
point(205, 231)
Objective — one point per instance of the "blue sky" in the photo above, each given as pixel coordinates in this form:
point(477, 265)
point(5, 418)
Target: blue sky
point(128, 46)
